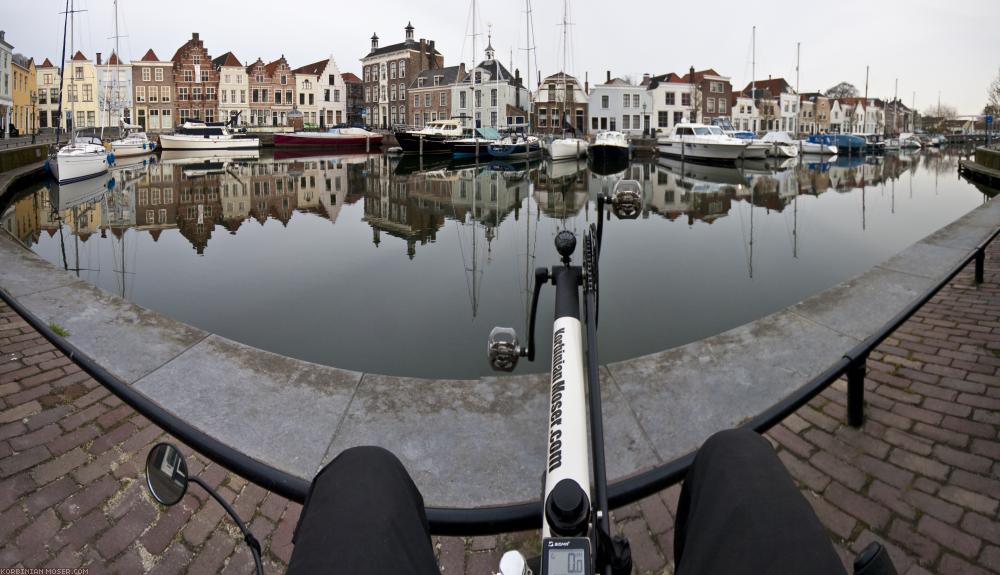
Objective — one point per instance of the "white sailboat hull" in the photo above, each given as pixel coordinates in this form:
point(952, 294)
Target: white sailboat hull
point(783, 151)
point(124, 149)
point(566, 148)
point(194, 142)
point(73, 164)
point(814, 148)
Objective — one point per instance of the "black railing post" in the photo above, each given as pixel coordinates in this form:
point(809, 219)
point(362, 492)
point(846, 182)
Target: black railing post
point(856, 391)
point(980, 263)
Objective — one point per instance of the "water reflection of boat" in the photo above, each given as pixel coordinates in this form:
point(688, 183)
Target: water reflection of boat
point(182, 156)
point(315, 154)
point(704, 172)
point(608, 164)
point(66, 196)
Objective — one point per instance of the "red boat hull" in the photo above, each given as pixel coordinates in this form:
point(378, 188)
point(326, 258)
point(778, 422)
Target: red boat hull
point(338, 142)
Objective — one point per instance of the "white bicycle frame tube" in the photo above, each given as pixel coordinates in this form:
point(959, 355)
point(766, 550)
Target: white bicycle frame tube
point(568, 439)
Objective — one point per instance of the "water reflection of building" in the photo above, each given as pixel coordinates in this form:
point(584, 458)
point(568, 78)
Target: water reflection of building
point(562, 191)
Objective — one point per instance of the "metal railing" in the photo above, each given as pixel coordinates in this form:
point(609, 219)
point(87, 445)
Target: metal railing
point(517, 516)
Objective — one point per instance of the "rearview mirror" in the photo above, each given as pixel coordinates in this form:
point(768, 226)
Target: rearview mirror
point(166, 474)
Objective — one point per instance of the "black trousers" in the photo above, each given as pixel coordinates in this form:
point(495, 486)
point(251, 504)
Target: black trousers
point(363, 515)
point(740, 513)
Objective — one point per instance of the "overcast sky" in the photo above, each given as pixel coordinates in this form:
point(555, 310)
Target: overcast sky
point(931, 46)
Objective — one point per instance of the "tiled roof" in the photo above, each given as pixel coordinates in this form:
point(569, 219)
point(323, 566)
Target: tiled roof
point(227, 59)
point(316, 68)
point(79, 57)
point(670, 78)
point(113, 60)
point(773, 87)
point(46, 64)
point(407, 45)
point(254, 65)
point(450, 76)
point(150, 56)
point(271, 67)
point(350, 77)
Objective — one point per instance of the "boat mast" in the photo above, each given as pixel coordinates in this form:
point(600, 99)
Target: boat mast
point(527, 51)
point(753, 73)
point(895, 108)
point(798, 55)
point(866, 99)
point(62, 69)
point(72, 78)
point(565, 24)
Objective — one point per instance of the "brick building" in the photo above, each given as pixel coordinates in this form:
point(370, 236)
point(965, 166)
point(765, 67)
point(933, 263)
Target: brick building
point(47, 83)
point(154, 92)
point(197, 82)
point(560, 95)
point(431, 95)
point(355, 89)
point(388, 70)
point(283, 84)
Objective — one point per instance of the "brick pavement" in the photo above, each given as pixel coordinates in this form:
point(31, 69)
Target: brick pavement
point(922, 475)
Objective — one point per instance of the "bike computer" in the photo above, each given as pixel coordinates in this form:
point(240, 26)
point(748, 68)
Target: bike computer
point(566, 556)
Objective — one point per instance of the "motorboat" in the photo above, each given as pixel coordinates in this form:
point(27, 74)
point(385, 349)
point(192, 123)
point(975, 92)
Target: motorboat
point(781, 145)
point(892, 145)
point(909, 141)
point(818, 144)
point(135, 142)
point(609, 147)
point(845, 143)
point(516, 146)
point(340, 138)
point(195, 135)
point(436, 137)
point(567, 148)
point(475, 144)
point(757, 150)
point(77, 161)
point(695, 141)
point(873, 143)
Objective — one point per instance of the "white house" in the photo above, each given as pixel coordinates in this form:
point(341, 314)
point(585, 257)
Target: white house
point(6, 74)
point(114, 92)
point(321, 94)
point(745, 114)
point(499, 99)
point(234, 85)
point(620, 106)
point(670, 98)
point(838, 118)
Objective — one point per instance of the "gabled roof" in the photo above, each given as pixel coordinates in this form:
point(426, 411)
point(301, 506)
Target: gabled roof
point(670, 78)
point(79, 57)
point(113, 60)
point(769, 88)
point(150, 56)
point(495, 68)
point(350, 78)
point(227, 59)
point(46, 64)
point(272, 66)
point(449, 76)
point(316, 68)
point(407, 45)
point(254, 65)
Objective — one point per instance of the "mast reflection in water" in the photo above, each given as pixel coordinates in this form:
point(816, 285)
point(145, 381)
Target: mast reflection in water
point(403, 266)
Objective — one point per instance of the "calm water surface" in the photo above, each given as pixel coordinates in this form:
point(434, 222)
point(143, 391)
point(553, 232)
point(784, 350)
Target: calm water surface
point(371, 264)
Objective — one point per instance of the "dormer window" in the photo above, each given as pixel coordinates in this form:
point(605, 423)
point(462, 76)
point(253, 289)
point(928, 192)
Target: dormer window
point(479, 77)
point(420, 82)
point(437, 80)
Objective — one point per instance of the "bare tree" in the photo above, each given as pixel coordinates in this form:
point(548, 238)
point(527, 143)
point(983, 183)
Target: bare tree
point(993, 98)
point(842, 90)
point(942, 111)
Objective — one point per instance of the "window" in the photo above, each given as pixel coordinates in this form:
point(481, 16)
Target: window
point(210, 94)
point(288, 97)
point(140, 93)
point(402, 69)
point(302, 99)
point(678, 117)
point(416, 100)
point(716, 87)
point(88, 93)
point(367, 74)
point(188, 76)
point(145, 74)
point(196, 94)
point(164, 93)
point(204, 76)
point(48, 79)
point(157, 74)
point(493, 97)
point(402, 93)
point(154, 93)
point(427, 100)
point(635, 121)
point(443, 98)
point(392, 70)
point(635, 100)
point(542, 117)
point(593, 123)
point(604, 102)
point(392, 92)
point(711, 106)
point(668, 98)
point(196, 59)
point(625, 122)
point(284, 79)
point(479, 98)
point(78, 72)
point(243, 96)
point(182, 94)
point(91, 116)
point(625, 100)
point(613, 128)
point(326, 95)
point(73, 95)
point(461, 100)
point(437, 80)
point(420, 82)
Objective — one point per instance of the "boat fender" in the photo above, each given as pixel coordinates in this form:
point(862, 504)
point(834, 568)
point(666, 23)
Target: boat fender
point(111, 158)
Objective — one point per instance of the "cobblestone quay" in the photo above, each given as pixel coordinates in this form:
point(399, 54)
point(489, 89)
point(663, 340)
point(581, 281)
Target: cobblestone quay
point(922, 475)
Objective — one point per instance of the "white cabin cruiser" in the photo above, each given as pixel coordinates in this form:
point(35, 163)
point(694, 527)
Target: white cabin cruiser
point(781, 145)
point(567, 148)
point(696, 141)
point(195, 135)
point(135, 142)
point(611, 146)
point(820, 145)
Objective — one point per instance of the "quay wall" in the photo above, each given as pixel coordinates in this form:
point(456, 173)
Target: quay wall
point(20, 157)
point(988, 158)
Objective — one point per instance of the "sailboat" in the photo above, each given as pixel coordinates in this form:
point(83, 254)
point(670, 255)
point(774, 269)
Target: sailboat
point(566, 147)
point(519, 144)
point(134, 141)
point(78, 160)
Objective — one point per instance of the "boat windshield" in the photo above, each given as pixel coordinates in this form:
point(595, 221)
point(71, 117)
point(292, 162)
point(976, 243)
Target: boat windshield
point(715, 130)
point(699, 131)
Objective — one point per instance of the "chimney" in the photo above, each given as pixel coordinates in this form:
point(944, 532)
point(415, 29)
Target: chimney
point(645, 78)
point(1, 35)
point(194, 36)
point(431, 60)
point(586, 82)
point(691, 75)
point(517, 87)
point(98, 58)
point(608, 81)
